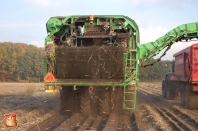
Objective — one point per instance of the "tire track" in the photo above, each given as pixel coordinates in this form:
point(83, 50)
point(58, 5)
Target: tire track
point(124, 123)
point(111, 123)
point(134, 125)
point(168, 113)
point(189, 119)
point(180, 122)
point(172, 123)
point(50, 123)
point(72, 123)
point(31, 116)
point(86, 124)
point(187, 114)
point(99, 123)
point(30, 124)
point(192, 113)
point(153, 113)
point(149, 118)
point(27, 119)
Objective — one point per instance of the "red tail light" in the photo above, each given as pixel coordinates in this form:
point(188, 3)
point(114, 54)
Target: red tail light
point(173, 77)
point(130, 88)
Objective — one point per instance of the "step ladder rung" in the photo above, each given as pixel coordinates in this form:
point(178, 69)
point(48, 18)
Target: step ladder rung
point(130, 65)
point(129, 78)
point(130, 92)
point(129, 108)
point(130, 100)
point(133, 50)
point(132, 59)
point(129, 68)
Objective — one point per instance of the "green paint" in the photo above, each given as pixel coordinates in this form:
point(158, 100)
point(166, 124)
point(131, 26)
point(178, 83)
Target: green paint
point(135, 55)
point(150, 49)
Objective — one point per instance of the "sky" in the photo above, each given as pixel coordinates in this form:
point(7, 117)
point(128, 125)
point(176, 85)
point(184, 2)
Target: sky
point(24, 20)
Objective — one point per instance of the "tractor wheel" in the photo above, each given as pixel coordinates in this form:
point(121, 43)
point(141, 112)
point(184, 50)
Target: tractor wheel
point(164, 92)
point(104, 102)
point(85, 107)
point(182, 95)
point(193, 105)
point(177, 88)
point(171, 91)
point(191, 98)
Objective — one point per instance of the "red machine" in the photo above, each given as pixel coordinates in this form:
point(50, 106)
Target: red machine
point(186, 72)
point(186, 65)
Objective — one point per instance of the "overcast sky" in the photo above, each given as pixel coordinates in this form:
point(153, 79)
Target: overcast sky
point(24, 20)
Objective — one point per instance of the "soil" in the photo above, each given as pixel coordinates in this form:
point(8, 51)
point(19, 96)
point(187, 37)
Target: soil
point(39, 111)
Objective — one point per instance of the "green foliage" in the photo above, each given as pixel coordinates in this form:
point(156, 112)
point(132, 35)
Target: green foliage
point(19, 62)
point(156, 72)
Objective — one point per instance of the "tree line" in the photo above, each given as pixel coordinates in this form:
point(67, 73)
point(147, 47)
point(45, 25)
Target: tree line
point(22, 62)
point(156, 72)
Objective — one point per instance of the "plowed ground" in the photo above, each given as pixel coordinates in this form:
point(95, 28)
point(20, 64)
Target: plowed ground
point(39, 111)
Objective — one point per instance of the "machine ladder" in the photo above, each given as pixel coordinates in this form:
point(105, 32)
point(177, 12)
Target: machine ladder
point(130, 78)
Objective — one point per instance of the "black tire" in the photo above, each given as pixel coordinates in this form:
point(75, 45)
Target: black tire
point(104, 102)
point(193, 105)
point(85, 107)
point(187, 95)
point(177, 88)
point(191, 98)
point(182, 95)
point(171, 93)
point(163, 92)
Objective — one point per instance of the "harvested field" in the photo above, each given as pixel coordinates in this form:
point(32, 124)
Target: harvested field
point(39, 111)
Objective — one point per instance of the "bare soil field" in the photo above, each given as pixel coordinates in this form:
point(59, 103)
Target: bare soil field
point(39, 111)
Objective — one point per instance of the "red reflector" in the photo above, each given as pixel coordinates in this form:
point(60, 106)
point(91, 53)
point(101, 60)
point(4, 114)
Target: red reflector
point(131, 88)
point(195, 88)
point(49, 77)
point(173, 78)
point(46, 87)
point(49, 87)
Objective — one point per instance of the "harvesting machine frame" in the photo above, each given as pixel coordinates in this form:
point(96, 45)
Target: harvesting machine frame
point(134, 56)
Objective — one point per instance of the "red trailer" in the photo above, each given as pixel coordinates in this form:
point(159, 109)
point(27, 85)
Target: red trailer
point(186, 72)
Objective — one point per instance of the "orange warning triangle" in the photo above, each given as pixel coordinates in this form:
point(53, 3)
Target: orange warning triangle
point(49, 77)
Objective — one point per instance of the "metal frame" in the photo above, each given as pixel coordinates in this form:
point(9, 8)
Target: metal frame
point(130, 57)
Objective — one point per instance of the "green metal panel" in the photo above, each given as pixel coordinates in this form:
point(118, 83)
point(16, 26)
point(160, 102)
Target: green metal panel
point(55, 25)
point(182, 32)
point(135, 56)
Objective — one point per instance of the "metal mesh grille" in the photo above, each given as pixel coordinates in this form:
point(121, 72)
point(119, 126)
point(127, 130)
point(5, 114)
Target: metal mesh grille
point(93, 62)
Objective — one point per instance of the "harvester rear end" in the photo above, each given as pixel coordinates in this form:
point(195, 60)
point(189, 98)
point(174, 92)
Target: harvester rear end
point(94, 60)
